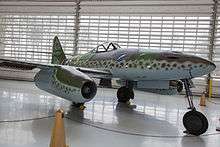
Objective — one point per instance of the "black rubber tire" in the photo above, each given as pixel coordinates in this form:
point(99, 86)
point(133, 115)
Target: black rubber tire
point(179, 86)
point(124, 94)
point(195, 122)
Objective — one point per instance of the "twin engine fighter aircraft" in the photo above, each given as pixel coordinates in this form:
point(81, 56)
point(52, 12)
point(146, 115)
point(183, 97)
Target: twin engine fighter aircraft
point(71, 79)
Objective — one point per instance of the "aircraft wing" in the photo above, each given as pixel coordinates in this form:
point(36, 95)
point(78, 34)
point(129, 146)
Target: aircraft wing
point(25, 65)
point(95, 73)
point(22, 65)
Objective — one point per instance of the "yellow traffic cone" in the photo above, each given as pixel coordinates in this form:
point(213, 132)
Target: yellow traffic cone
point(202, 100)
point(58, 138)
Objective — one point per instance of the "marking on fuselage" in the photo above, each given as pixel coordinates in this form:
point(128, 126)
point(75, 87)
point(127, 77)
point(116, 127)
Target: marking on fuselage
point(121, 58)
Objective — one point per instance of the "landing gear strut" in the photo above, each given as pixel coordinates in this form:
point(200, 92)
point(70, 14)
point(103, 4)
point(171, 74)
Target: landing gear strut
point(80, 106)
point(125, 93)
point(194, 122)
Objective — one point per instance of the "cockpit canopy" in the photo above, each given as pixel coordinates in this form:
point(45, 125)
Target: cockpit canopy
point(106, 47)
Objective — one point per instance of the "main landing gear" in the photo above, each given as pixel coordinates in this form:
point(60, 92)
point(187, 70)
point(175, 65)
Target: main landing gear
point(125, 93)
point(194, 122)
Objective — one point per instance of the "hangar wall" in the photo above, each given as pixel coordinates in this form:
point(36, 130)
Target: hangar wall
point(27, 28)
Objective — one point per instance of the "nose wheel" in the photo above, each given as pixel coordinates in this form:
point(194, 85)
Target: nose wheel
point(124, 94)
point(194, 122)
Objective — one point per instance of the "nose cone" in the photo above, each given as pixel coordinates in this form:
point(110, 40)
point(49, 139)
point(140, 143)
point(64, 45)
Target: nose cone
point(202, 67)
point(211, 66)
point(206, 65)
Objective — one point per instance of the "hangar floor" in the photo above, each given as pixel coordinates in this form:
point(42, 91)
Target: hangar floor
point(26, 119)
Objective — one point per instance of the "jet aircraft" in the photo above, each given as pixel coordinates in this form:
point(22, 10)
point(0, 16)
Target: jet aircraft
point(72, 79)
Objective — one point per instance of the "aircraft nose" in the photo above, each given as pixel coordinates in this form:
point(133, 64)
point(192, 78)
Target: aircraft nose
point(208, 65)
point(211, 66)
point(202, 67)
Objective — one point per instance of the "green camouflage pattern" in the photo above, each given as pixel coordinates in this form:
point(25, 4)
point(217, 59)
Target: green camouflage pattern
point(149, 64)
point(148, 61)
point(58, 56)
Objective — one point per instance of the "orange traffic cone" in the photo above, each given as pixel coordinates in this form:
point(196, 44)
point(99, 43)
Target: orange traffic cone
point(202, 100)
point(58, 138)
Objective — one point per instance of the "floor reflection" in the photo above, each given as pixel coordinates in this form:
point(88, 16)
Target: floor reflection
point(187, 141)
point(123, 118)
point(153, 115)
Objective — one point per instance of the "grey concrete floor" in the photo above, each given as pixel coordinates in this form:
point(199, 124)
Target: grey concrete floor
point(26, 119)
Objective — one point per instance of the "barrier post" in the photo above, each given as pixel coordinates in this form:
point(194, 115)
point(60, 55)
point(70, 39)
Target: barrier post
point(58, 138)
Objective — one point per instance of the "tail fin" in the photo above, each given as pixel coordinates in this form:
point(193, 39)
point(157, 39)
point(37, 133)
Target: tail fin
point(58, 56)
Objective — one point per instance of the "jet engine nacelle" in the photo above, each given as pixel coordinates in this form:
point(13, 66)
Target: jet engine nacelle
point(66, 82)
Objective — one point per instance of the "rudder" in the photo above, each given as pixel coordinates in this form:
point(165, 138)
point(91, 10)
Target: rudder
point(58, 56)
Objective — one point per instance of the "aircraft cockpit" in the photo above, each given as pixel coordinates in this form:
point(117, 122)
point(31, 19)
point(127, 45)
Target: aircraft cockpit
point(106, 47)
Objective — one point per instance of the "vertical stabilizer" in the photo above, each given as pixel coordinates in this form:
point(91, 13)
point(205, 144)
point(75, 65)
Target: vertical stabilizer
point(58, 56)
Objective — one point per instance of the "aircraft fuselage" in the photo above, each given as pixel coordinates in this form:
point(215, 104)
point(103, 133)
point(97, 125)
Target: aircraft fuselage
point(136, 64)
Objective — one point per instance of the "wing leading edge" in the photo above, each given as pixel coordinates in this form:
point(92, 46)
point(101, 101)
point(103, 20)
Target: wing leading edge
point(24, 65)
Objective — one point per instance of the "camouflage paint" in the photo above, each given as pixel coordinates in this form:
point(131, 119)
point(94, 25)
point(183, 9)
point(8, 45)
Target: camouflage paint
point(58, 56)
point(62, 82)
point(137, 64)
point(158, 65)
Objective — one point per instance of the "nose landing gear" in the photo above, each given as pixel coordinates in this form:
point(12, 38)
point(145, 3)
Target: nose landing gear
point(195, 122)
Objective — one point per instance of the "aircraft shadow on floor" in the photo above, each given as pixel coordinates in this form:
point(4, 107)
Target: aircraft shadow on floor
point(128, 121)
